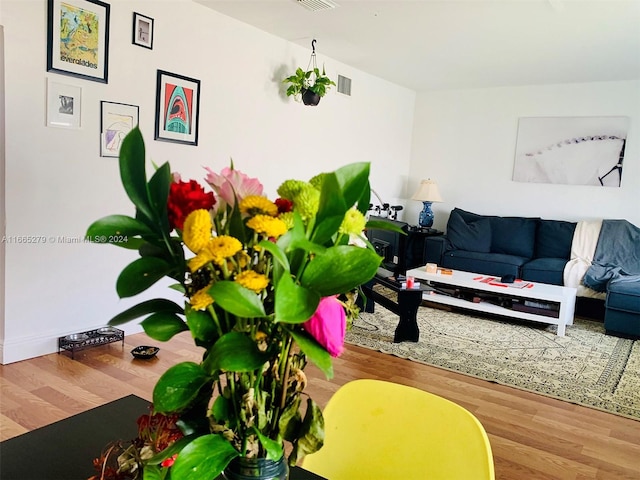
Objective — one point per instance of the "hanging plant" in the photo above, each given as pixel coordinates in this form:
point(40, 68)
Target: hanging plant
point(310, 85)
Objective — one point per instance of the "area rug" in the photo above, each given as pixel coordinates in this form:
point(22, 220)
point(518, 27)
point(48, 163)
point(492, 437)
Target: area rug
point(585, 367)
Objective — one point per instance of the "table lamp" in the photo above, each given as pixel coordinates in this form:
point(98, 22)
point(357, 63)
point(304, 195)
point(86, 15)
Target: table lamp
point(427, 193)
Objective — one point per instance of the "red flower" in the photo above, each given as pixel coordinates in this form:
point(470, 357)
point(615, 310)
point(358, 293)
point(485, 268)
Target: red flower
point(169, 461)
point(184, 198)
point(284, 205)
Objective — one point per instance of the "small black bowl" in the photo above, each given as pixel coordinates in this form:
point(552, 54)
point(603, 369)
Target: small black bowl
point(145, 352)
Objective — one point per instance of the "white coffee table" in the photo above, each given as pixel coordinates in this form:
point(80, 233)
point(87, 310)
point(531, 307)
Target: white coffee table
point(560, 300)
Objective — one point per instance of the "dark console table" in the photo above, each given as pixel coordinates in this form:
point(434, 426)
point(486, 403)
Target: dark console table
point(406, 307)
point(65, 450)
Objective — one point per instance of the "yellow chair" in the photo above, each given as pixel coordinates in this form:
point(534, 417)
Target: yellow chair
point(382, 430)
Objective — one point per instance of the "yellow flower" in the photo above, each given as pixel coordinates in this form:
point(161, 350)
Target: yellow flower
point(252, 280)
point(197, 230)
point(200, 260)
point(255, 205)
point(201, 299)
point(353, 222)
point(223, 247)
point(268, 226)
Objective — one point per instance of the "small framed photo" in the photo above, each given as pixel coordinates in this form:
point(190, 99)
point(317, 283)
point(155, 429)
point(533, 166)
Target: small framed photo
point(142, 30)
point(177, 108)
point(78, 38)
point(63, 105)
point(116, 121)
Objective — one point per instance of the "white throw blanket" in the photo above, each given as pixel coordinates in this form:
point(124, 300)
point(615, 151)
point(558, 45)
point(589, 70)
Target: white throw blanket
point(583, 247)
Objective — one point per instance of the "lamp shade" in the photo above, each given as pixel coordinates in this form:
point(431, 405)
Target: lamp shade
point(428, 192)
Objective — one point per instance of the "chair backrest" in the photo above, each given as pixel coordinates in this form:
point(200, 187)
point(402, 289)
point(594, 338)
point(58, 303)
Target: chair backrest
point(381, 430)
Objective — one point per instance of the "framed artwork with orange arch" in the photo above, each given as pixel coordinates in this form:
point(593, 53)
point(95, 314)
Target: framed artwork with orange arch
point(177, 108)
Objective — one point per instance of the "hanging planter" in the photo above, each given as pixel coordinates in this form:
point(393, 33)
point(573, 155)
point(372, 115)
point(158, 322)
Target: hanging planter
point(310, 85)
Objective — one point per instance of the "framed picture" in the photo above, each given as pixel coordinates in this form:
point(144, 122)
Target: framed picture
point(78, 38)
point(142, 30)
point(116, 120)
point(63, 105)
point(177, 108)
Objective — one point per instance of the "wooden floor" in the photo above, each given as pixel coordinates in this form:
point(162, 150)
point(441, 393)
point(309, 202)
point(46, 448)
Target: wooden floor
point(533, 437)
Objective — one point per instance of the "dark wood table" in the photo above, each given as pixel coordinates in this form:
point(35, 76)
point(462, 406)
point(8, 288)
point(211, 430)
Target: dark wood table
point(406, 307)
point(65, 450)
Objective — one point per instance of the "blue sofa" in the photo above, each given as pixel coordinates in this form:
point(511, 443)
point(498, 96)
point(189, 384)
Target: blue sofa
point(532, 249)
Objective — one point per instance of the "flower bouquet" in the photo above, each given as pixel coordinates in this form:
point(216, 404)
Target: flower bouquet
point(267, 287)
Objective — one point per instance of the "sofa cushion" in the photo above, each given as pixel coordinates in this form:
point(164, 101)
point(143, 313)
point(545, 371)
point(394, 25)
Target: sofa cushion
point(624, 294)
point(513, 235)
point(496, 264)
point(473, 235)
point(554, 238)
point(544, 270)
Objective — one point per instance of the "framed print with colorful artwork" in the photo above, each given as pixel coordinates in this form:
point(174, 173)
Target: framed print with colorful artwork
point(63, 105)
point(142, 30)
point(177, 108)
point(116, 120)
point(78, 38)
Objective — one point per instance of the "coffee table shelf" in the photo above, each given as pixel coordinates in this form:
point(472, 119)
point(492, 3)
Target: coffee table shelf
point(561, 300)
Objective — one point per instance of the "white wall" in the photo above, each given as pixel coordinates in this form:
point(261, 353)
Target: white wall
point(466, 141)
point(57, 184)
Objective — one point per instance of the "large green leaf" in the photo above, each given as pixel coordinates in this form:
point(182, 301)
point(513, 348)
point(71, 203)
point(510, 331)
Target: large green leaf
point(331, 210)
point(311, 436)
point(273, 447)
point(162, 326)
point(201, 324)
point(294, 304)
point(132, 171)
point(234, 352)
point(349, 267)
point(236, 299)
point(203, 459)
point(178, 386)
point(114, 227)
point(314, 351)
point(145, 308)
point(153, 472)
point(140, 275)
point(159, 193)
point(354, 181)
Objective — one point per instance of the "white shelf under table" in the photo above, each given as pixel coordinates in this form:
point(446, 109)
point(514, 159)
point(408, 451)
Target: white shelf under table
point(565, 297)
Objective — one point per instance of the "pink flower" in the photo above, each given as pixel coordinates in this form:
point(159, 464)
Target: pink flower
point(328, 325)
point(231, 184)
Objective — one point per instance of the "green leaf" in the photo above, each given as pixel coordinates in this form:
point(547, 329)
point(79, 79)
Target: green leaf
point(294, 304)
point(172, 449)
point(276, 252)
point(236, 299)
point(140, 275)
point(221, 409)
point(132, 171)
point(290, 420)
point(353, 180)
point(350, 267)
point(331, 210)
point(158, 194)
point(178, 386)
point(314, 351)
point(311, 434)
point(150, 306)
point(234, 352)
point(201, 325)
point(153, 472)
point(116, 226)
point(204, 458)
point(382, 225)
point(162, 326)
point(273, 447)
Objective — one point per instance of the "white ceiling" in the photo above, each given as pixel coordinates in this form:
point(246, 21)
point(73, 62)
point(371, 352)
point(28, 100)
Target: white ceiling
point(436, 44)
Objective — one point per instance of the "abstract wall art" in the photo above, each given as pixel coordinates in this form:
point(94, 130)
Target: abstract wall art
point(177, 108)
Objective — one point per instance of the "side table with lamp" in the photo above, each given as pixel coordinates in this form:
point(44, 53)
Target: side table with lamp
point(427, 194)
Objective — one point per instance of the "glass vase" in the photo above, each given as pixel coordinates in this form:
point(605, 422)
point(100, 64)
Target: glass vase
point(243, 468)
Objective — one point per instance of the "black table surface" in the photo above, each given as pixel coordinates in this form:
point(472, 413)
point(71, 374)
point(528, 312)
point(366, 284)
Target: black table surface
point(65, 450)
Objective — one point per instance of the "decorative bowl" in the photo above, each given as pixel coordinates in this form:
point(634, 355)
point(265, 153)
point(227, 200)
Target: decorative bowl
point(77, 337)
point(145, 352)
point(107, 331)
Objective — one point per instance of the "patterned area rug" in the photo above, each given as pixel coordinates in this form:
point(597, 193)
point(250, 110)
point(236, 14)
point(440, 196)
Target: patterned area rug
point(585, 367)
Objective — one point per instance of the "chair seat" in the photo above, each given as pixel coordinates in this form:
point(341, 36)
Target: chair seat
point(383, 430)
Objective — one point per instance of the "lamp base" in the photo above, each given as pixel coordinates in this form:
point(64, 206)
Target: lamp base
point(426, 216)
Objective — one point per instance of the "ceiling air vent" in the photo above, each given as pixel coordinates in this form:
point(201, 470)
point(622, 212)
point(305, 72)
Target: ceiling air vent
point(344, 85)
point(315, 5)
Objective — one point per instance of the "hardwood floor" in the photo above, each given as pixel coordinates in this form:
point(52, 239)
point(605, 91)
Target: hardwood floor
point(532, 436)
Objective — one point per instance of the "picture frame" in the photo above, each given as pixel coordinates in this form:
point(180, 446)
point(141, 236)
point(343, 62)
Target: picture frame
point(78, 39)
point(64, 105)
point(116, 121)
point(142, 30)
point(177, 108)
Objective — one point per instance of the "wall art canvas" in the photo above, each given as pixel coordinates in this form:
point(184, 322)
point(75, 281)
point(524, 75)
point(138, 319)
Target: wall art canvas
point(78, 38)
point(142, 30)
point(116, 120)
point(177, 108)
point(63, 105)
point(571, 150)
